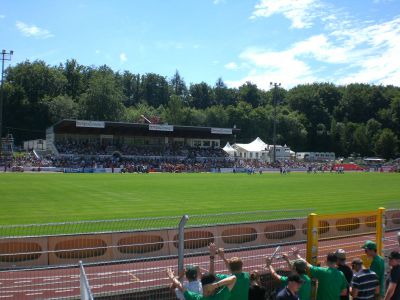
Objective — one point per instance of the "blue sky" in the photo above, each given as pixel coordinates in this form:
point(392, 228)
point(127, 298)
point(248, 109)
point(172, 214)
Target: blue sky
point(287, 41)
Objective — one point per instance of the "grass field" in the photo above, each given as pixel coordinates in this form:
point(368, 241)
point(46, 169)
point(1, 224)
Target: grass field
point(42, 198)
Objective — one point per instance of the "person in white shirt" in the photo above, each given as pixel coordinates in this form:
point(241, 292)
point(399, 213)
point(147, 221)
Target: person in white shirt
point(193, 283)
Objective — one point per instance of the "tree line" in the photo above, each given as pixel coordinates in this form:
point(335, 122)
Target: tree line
point(356, 119)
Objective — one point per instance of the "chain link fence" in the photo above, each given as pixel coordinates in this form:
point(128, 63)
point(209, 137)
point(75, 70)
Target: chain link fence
point(124, 259)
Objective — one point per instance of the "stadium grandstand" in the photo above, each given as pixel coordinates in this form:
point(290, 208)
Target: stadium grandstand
point(129, 146)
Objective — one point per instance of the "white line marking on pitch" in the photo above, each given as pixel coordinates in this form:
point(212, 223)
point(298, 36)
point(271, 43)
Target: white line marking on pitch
point(122, 283)
point(22, 281)
point(33, 294)
point(51, 279)
point(63, 291)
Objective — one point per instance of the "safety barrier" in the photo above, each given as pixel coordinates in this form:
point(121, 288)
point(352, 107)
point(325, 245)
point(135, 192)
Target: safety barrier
point(121, 257)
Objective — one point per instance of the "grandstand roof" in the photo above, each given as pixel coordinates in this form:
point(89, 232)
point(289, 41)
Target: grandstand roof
point(126, 128)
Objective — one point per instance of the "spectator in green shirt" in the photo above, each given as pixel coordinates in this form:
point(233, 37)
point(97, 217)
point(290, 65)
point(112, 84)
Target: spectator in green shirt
point(377, 265)
point(331, 282)
point(235, 265)
point(297, 267)
point(212, 288)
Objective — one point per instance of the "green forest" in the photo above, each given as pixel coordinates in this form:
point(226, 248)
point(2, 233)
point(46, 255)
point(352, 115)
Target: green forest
point(356, 119)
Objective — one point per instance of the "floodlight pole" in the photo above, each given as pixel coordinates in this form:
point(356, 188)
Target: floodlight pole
point(4, 56)
point(274, 102)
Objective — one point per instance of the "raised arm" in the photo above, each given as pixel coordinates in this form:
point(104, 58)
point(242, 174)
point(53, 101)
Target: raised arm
point(285, 257)
point(229, 282)
point(174, 280)
point(213, 251)
point(296, 254)
point(221, 254)
point(270, 268)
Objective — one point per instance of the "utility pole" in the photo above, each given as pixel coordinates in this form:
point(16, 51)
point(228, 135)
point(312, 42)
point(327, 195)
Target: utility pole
point(4, 56)
point(275, 85)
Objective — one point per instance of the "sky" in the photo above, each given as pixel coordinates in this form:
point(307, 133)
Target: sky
point(287, 41)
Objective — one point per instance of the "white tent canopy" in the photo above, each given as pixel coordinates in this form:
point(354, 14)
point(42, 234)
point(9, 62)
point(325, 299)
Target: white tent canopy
point(255, 146)
point(229, 149)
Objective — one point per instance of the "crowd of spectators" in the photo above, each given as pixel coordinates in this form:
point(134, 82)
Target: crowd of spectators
point(362, 279)
point(73, 147)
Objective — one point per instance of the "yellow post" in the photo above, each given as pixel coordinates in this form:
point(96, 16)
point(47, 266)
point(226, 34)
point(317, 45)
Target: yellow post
point(312, 239)
point(380, 230)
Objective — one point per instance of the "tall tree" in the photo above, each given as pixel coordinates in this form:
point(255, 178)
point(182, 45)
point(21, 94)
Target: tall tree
point(387, 144)
point(103, 99)
point(178, 86)
point(154, 89)
point(201, 95)
point(249, 93)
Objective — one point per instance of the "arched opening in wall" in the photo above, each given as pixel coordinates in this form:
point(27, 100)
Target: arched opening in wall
point(370, 221)
point(279, 231)
point(239, 235)
point(80, 248)
point(195, 239)
point(140, 244)
point(28, 251)
point(348, 224)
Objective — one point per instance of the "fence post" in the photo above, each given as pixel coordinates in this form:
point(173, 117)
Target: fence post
point(86, 294)
point(312, 239)
point(380, 230)
point(181, 241)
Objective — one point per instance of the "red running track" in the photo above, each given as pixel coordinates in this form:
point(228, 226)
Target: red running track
point(128, 277)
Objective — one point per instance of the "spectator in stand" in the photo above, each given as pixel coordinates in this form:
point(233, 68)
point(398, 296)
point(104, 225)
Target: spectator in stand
point(365, 284)
point(256, 291)
point(393, 282)
point(297, 267)
point(193, 284)
point(331, 282)
point(212, 289)
point(235, 266)
point(292, 288)
point(377, 265)
point(346, 270)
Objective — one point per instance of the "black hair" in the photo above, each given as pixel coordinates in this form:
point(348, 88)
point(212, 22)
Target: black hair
point(331, 258)
point(208, 278)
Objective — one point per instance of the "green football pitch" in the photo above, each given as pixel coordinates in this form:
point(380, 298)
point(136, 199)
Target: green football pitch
point(42, 198)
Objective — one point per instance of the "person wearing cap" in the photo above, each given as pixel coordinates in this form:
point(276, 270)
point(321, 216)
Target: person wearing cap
point(331, 282)
point(346, 270)
point(235, 266)
point(212, 288)
point(298, 267)
point(365, 284)
point(292, 288)
point(193, 284)
point(393, 289)
point(377, 264)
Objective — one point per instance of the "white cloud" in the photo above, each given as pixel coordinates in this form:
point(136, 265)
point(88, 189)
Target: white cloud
point(122, 57)
point(300, 12)
point(345, 49)
point(33, 31)
point(2, 16)
point(231, 66)
point(267, 66)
